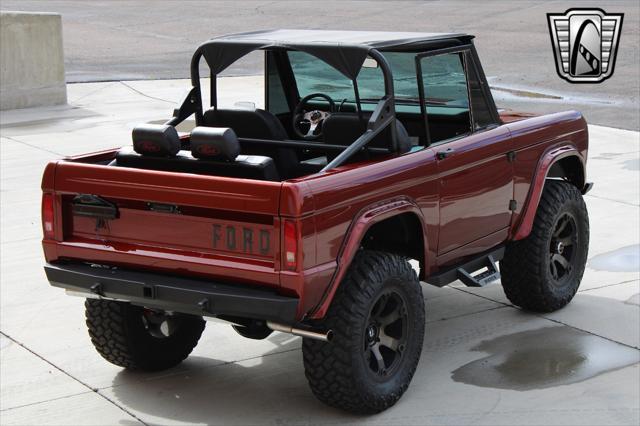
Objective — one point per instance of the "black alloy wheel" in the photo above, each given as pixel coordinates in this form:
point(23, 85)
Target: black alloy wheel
point(562, 252)
point(385, 336)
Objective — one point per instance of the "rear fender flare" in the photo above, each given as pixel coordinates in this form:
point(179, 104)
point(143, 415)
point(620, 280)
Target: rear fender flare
point(362, 222)
point(551, 156)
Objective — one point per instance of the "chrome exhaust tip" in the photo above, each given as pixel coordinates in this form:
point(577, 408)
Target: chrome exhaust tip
point(309, 334)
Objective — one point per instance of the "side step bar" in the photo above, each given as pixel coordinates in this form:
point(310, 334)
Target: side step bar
point(464, 272)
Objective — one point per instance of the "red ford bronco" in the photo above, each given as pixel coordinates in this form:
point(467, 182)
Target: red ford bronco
point(373, 149)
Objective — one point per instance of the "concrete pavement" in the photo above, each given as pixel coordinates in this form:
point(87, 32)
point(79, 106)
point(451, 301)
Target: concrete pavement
point(484, 361)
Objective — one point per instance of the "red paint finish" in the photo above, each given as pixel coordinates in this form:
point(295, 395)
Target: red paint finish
point(536, 141)
point(363, 221)
point(476, 185)
point(461, 203)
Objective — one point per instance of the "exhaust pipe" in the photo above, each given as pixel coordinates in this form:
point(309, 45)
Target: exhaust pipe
point(87, 295)
point(325, 337)
point(316, 335)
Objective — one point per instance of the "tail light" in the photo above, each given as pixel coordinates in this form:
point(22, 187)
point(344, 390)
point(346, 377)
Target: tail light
point(290, 258)
point(48, 223)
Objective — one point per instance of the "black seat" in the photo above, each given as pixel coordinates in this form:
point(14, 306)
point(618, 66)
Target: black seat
point(258, 123)
point(245, 166)
point(344, 129)
point(214, 151)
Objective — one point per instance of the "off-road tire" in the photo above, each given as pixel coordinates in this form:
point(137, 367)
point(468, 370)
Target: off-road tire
point(118, 332)
point(337, 370)
point(527, 274)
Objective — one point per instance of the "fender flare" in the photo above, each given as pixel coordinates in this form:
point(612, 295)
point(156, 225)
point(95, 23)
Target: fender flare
point(551, 156)
point(362, 222)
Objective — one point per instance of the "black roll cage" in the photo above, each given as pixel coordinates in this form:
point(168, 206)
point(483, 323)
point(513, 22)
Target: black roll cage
point(384, 114)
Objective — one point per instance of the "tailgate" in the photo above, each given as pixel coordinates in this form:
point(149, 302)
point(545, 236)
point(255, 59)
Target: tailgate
point(185, 223)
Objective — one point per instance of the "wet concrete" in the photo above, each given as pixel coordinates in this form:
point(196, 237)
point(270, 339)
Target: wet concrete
point(525, 93)
point(543, 358)
point(633, 300)
point(624, 259)
point(633, 164)
point(606, 156)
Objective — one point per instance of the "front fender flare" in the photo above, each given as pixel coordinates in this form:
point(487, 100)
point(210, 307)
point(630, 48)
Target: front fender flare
point(366, 218)
point(551, 156)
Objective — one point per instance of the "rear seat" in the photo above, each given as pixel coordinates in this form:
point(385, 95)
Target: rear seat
point(214, 151)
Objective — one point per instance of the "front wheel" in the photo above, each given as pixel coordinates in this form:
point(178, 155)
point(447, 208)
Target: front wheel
point(542, 273)
point(378, 320)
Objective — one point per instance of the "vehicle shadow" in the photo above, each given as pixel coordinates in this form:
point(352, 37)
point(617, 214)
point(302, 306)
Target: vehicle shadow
point(254, 391)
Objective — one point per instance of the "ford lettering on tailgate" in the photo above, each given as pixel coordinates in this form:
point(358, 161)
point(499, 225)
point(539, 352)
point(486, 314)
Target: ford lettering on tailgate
point(240, 237)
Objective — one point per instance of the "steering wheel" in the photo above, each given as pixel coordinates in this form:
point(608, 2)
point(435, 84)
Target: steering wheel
point(312, 118)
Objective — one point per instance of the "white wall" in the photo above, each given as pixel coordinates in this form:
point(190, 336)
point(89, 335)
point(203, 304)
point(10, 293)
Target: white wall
point(31, 60)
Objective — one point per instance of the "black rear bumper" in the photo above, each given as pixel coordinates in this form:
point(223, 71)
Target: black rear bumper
point(170, 293)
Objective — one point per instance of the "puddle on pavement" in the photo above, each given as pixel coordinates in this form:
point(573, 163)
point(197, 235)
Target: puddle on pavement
point(4, 342)
point(624, 259)
point(633, 300)
point(607, 156)
point(543, 358)
point(525, 93)
point(512, 93)
point(633, 164)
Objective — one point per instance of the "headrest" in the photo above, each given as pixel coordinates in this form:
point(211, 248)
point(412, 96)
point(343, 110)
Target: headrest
point(214, 142)
point(159, 140)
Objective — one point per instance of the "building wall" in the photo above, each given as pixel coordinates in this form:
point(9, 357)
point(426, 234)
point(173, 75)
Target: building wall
point(31, 60)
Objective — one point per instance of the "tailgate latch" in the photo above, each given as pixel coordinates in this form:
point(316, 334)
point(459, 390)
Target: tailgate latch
point(164, 208)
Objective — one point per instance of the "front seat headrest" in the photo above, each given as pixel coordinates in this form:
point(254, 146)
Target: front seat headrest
point(214, 142)
point(159, 140)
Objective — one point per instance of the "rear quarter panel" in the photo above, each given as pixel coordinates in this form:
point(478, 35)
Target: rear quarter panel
point(344, 194)
point(537, 138)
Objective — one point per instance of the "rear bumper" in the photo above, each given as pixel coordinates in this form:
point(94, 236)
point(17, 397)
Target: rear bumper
point(170, 293)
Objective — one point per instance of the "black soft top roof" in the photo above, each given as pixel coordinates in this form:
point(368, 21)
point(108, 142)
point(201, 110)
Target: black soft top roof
point(344, 50)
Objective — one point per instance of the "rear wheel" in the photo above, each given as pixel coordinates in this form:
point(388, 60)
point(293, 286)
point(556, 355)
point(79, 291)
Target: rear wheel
point(377, 319)
point(542, 273)
point(137, 338)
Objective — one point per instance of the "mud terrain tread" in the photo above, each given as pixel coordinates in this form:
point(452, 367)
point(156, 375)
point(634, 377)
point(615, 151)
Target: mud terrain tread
point(329, 367)
point(524, 269)
point(104, 321)
point(119, 339)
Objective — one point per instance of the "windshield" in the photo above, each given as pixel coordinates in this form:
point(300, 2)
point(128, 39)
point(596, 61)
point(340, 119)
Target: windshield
point(316, 76)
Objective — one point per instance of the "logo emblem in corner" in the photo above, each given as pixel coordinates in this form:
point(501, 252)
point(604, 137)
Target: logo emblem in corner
point(585, 43)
